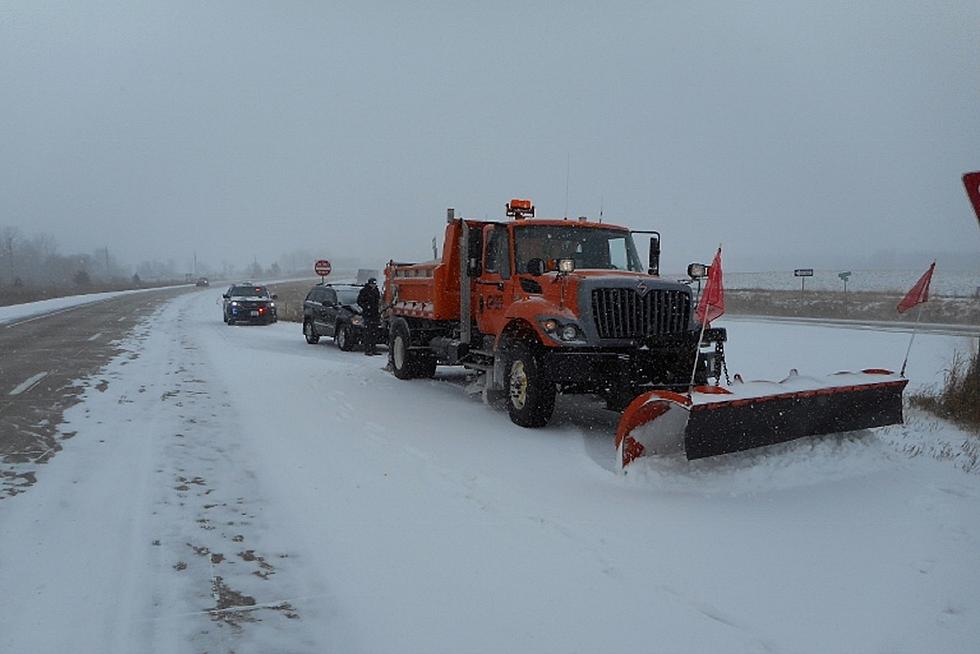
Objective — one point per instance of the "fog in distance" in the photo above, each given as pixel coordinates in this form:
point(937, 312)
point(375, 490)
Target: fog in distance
point(796, 134)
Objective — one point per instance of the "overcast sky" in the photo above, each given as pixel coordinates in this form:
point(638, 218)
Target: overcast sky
point(239, 129)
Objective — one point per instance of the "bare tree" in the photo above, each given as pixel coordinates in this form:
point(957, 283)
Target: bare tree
point(10, 238)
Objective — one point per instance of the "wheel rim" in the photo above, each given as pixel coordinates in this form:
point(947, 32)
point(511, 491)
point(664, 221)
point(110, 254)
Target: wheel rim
point(307, 330)
point(342, 338)
point(518, 385)
point(398, 352)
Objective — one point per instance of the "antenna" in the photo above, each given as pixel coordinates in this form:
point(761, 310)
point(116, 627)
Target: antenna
point(602, 201)
point(568, 171)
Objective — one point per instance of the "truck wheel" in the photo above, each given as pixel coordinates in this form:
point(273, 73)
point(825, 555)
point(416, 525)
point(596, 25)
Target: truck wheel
point(342, 337)
point(530, 396)
point(310, 333)
point(402, 359)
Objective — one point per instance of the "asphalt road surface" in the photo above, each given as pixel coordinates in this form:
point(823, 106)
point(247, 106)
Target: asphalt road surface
point(42, 357)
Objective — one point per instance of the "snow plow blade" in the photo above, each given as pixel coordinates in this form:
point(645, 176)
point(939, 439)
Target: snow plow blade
point(719, 420)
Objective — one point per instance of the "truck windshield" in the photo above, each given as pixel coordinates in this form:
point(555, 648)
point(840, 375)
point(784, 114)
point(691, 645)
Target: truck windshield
point(590, 247)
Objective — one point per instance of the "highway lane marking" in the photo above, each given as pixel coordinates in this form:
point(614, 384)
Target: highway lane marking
point(92, 338)
point(28, 383)
point(45, 315)
point(121, 318)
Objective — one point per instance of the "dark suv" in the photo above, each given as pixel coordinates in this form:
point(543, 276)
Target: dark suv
point(249, 303)
point(332, 310)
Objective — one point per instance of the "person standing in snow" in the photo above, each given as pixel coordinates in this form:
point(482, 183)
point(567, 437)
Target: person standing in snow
point(369, 299)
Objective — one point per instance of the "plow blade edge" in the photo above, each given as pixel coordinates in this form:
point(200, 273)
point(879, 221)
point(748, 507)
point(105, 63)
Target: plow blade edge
point(715, 420)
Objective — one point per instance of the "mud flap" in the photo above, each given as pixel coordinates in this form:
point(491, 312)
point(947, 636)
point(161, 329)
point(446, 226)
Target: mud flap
point(715, 420)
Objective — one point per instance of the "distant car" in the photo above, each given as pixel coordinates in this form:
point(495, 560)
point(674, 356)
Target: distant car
point(332, 310)
point(202, 281)
point(249, 303)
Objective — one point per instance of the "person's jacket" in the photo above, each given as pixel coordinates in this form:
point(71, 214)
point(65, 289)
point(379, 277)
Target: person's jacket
point(369, 299)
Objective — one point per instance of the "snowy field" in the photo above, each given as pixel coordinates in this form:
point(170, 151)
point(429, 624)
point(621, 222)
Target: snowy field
point(944, 282)
point(235, 489)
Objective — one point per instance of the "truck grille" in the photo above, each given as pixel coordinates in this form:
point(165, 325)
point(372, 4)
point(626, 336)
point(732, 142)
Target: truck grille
point(624, 313)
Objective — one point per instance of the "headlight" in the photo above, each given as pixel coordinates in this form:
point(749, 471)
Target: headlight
point(272, 305)
point(549, 325)
point(566, 265)
point(234, 304)
point(357, 320)
point(558, 331)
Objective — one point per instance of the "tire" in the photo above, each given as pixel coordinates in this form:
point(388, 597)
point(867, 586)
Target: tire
point(398, 353)
point(343, 338)
point(530, 395)
point(310, 333)
point(229, 321)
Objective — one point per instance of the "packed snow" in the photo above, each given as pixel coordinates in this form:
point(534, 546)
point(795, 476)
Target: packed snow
point(235, 489)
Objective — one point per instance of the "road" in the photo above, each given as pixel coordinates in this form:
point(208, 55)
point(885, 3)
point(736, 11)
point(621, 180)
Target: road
point(43, 357)
point(233, 489)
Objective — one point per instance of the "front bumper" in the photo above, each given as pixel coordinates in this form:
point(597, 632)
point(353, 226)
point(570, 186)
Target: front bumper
point(257, 314)
point(600, 369)
point(667, 363)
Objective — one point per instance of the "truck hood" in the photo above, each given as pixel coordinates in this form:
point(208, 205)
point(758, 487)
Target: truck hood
point(612, 279)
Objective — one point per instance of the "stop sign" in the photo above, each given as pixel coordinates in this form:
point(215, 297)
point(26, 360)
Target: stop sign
point(322, 267)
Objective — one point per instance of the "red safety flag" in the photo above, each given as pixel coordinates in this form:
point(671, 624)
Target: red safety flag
point(712, 302)
point(972, 183)
point(919, 292)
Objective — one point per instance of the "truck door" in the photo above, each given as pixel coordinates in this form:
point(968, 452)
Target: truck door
point(492, 287)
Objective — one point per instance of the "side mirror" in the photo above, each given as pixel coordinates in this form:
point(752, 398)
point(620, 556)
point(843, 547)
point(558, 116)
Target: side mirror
point(224, 295)
point(653, 266)
point(697, 271)
point(275, 297)
point(535, 266)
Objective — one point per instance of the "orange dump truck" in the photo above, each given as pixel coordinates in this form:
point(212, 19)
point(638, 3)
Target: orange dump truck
point(539, 307)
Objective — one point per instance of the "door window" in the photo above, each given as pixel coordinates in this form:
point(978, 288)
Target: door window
point(498, 252)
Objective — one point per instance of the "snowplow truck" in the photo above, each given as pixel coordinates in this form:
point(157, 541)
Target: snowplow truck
point(538, 307)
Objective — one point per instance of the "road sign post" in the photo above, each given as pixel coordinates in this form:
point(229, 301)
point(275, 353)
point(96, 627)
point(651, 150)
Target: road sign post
point(803, 273)
point(322, 268)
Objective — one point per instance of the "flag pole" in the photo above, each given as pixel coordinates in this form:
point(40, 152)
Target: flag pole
point(697, 355)
point(697, 348)
point(915, 327)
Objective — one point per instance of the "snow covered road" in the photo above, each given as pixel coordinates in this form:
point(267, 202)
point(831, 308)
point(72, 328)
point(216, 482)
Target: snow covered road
point(235, 489)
